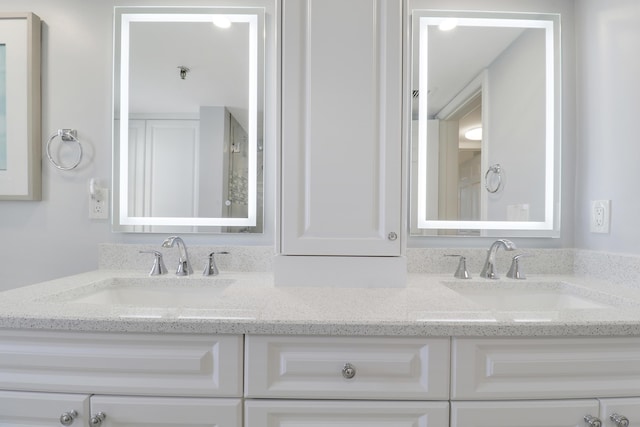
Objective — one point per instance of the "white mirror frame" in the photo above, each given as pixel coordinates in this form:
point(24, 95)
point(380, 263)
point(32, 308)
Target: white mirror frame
point(550, 227)
point(123, 18)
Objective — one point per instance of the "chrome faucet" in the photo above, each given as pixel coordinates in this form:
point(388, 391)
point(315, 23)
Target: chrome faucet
point(489, 269)
point(184, 266)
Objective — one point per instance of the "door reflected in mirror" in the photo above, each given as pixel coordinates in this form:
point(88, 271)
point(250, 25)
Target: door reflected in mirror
point(485, 124)
point(188, 119)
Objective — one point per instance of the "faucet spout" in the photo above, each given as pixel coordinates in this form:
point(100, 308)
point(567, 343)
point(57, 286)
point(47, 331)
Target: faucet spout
point(489, 269)
point(184, 266)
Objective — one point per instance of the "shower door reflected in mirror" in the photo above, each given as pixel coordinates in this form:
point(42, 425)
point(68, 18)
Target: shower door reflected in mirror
point(485, 128)
point(188, 120)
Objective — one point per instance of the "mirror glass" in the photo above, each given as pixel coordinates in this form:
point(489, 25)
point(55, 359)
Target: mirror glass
point(188, 119)
point(485, 124)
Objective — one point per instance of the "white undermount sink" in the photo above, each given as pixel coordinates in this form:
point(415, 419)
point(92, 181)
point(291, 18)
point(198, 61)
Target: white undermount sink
point(531, 296)
point(150, 292)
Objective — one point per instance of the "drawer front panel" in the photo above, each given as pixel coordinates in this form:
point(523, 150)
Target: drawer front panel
point(19, 408)
point(312, 367)
point(531, 368)
point(539, 413)
point(286, 413)
point(156, 365)
point(167, 411)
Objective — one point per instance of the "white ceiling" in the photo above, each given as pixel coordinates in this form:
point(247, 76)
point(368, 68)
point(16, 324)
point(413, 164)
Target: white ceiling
point(218, 60)
point(456, 57)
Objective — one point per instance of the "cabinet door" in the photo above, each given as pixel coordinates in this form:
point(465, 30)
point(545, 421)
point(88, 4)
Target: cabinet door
point(532, 413)
point(25, 409)
point(289, 413)
point(613, 412)
point(341, 132)
point(167, 411)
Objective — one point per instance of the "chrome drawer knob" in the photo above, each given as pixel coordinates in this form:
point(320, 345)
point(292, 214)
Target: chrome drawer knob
point(392, 236)
point(593, 421)
point(97, 419)
point(67, 418)
point(349, 371)
point(620, 420)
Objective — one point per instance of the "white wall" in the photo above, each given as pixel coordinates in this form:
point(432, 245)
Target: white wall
point(516, 126)
point(608, 58)
point(54, 237)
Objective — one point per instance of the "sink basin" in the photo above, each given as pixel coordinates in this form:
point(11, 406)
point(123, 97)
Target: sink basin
point(531, 296)
point(150, 292)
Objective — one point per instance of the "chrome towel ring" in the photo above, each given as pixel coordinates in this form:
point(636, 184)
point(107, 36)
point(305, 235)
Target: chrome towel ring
point(493, 178)
point(66, 135)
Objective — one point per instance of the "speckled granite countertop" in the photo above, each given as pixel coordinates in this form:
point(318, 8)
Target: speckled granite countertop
point(249, 303)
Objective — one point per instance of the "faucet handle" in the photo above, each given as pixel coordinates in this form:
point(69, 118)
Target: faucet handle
point(158, 264)
point(461, 271)
point(515, 271)
point(211, 268)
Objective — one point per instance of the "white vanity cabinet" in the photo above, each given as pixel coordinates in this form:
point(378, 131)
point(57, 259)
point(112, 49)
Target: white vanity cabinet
point(378, 381)
point(341, 127)
point(134, 379)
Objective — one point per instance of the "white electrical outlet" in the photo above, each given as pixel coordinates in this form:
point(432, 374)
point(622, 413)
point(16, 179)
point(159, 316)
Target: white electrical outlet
point(98, 201)
point(600, 216)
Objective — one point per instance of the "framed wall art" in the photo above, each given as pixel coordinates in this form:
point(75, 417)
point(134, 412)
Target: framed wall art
point(20, 114)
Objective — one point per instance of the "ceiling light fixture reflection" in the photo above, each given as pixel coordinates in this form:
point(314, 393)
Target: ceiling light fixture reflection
point(221, 21)
point(474, 134)
point(448, 24)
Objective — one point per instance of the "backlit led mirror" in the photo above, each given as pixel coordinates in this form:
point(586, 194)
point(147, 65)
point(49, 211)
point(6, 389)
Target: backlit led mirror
point(485, 124)
point(188, 119)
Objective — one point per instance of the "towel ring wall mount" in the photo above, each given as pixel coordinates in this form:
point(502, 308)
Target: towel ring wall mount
point(493, 178)
point(66, 135)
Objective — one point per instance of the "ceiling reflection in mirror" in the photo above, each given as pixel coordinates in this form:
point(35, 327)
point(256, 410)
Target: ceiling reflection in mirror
point(188, 119)
point(485, 124)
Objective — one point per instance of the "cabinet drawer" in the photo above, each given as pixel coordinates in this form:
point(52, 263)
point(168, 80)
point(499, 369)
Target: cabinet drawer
point(539, 413)
point(19, 408)
point(313, 367)
point(516, 368)
point(168, 411)
point(135, 364)
point(285, 413)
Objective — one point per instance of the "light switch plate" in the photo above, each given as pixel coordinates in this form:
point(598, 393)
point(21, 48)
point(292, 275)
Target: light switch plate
point(600, 216)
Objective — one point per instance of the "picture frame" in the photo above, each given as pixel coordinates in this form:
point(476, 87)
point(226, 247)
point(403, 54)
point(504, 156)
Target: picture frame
point(20, 107)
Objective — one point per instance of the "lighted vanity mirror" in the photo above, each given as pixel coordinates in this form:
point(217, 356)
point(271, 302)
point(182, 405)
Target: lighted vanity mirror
point(188, 119)
point(485, 124)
